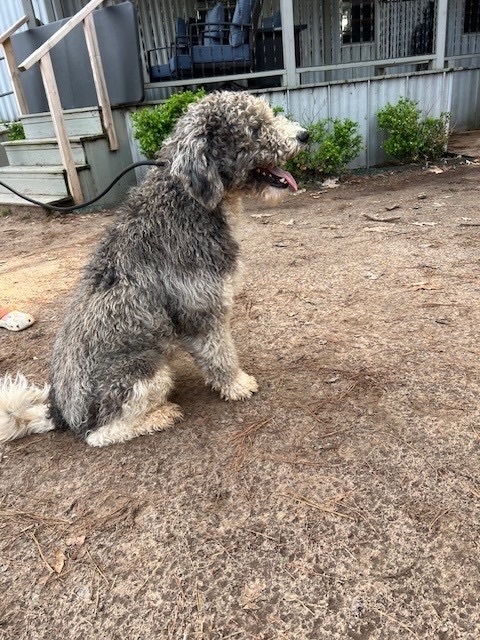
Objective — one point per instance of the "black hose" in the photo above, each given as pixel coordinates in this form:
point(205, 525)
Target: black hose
point(51, 207)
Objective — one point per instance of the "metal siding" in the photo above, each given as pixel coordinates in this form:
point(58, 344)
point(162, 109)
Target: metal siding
point(70, 7)
point(45, 11)
point(432, 92)
point(465, 100)
point(351, 101)
point(10, 12)
point(360, 101)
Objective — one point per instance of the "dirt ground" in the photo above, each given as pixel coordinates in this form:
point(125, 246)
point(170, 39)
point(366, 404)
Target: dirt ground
point(342, 502)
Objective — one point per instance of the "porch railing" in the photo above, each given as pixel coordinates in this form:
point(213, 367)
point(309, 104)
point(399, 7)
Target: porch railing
point(42, 56)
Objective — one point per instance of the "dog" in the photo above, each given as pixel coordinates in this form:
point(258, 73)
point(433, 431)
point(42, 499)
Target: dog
point(163, 276)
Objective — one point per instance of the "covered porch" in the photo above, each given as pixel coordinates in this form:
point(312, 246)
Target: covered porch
point(266, 44)
point(292, 43)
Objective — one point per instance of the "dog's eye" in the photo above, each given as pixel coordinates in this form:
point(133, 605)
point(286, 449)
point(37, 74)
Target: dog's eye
point(255, 124)
point(255, 129)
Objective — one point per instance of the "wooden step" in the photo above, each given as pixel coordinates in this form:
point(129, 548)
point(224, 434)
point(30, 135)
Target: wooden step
point(41, 152)
point(78, 122)
point(35, 181)
point(10, 199)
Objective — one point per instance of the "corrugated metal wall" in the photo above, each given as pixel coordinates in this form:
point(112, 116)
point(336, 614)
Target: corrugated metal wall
point(435, 91)
point(47, 11)
point(465, 100)
point(10, 12)
point(361, 100)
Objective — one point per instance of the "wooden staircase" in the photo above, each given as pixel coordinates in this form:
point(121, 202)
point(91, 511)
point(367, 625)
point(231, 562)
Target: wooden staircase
point(35, 164)
point(68, 154)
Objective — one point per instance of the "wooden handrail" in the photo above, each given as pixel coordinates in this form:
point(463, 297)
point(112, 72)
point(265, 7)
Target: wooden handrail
point(99, 81)
point(11, 30)
point(59, 35)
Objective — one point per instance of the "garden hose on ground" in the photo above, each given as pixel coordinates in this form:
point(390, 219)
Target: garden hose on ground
point(51, 207)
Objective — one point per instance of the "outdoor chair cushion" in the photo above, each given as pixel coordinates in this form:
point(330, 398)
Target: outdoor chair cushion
point(220, 54)
point(242, 19)
point(213, 29)
point(181, 32)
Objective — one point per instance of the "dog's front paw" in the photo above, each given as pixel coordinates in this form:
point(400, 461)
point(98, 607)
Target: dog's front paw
point(241, 388)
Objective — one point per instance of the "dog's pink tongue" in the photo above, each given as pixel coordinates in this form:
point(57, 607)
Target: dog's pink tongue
point(281, 173)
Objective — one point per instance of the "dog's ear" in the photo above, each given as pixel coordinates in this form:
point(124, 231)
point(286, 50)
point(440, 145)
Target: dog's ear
point(198, 171)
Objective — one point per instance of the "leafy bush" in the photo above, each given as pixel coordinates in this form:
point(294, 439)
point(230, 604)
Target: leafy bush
point(333, 143)
point(411, 138)
point(152, 125)
point(15, 131)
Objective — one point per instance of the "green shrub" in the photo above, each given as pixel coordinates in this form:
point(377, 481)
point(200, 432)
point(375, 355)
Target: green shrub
point(15, 131)
point(333, 143)
point(411, 138)
point(152, 125)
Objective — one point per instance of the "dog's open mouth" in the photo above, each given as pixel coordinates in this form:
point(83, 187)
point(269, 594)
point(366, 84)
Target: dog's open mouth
point(275, 177)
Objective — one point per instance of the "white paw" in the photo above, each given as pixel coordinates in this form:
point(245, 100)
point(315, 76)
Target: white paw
point(241, 389)
point(164, 417)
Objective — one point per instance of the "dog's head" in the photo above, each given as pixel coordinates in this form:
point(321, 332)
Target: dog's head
point(233, 141)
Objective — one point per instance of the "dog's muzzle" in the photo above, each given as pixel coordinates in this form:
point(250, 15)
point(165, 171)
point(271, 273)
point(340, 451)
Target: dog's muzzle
point(275, 177)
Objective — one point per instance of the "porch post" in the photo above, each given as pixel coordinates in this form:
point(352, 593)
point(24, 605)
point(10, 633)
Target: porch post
point(99, 81)
point(440, 34)
point(288, 40)
point(55, 106)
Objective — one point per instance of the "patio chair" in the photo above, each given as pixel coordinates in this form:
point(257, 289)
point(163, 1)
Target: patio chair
point(211, 46)
point(179, 63)
point(226, 46)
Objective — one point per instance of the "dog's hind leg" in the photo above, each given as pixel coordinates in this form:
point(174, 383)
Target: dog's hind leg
point(216, 356)
point(145, 412)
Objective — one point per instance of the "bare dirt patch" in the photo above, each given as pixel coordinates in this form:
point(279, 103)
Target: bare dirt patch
point(343, 501)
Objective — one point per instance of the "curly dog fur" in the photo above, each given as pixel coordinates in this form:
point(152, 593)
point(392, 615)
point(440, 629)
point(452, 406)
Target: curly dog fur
point(164, 275)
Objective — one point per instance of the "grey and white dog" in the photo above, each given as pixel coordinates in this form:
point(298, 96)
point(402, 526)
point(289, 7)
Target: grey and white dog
point(164, 275)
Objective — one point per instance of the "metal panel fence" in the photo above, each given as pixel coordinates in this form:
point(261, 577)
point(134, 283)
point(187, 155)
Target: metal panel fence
point(361, 100)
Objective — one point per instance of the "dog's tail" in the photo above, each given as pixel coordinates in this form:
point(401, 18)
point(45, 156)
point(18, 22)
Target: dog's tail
point(23, 408)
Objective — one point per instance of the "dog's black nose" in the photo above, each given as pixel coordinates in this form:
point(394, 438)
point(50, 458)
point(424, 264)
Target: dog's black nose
point(303, 136)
